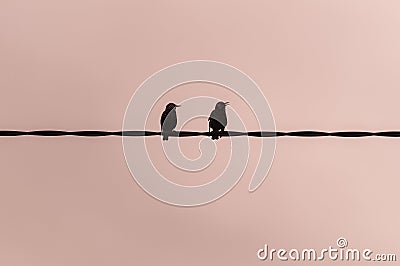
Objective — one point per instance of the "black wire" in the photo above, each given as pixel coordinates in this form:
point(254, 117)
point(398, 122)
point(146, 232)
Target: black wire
point(260, 134)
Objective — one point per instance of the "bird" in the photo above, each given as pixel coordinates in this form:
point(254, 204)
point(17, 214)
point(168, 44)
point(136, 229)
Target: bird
point(168, 120)
point(217, 120)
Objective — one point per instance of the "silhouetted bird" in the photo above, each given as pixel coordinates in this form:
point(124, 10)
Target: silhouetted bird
point(168, 120)
point(217, 120)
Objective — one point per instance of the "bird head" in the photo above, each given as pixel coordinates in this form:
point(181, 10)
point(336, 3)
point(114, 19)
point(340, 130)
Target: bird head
point(171, 106)
point(221, 105)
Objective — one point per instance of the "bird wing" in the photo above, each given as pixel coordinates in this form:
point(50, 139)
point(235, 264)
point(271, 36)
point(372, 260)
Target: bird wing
point(212, 121)
point(212, 115)
point(168, 120)
point(163, 117)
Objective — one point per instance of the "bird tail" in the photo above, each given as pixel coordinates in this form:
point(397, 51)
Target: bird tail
point(165, 135)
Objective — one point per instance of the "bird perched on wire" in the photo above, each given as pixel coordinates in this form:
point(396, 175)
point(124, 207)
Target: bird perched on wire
point(168, 120)
point(217, 120)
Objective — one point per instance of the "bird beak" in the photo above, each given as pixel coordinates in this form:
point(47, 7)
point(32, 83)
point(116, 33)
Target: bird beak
point(226, 103)
point(177, 106)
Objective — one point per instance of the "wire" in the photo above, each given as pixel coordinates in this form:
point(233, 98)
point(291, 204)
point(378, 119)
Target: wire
point(260, 134)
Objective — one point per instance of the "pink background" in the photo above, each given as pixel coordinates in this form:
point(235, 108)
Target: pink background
point(73, 65)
